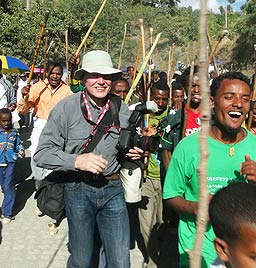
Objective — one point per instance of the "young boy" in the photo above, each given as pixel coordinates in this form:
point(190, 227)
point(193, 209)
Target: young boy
point(10, 147)
point(233, 216)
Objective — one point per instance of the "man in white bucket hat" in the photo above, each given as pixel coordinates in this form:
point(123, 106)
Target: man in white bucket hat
point(93, 193)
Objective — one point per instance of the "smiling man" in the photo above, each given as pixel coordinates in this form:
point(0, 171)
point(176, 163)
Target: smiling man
point(42, 97)
point(232, 157)
point(93, 194)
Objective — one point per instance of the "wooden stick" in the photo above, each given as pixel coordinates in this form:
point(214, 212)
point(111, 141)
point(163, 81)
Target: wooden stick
point(249, 124)
point(150, 60)
point(137, 61)
point(191, 74)
point(41, 36)
point(143, 53)
point(170, 71)
point(216, 44)
point(142, 68)
point(202, 212)
point(149, 74)
point(90, 29)
point(213, 58)
point(122, 46)
point(66, 53)
point(45, 56)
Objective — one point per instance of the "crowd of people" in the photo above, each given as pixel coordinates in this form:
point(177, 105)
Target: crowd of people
point(117, 194)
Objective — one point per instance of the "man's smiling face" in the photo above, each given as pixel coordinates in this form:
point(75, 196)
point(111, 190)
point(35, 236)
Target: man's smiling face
point(231, 104)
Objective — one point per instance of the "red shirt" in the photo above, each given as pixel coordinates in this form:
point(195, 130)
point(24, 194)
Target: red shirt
point(193, 123)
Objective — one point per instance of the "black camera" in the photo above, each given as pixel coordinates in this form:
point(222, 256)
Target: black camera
point(129, 136)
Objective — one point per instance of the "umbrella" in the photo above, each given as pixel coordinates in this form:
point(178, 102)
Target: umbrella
point(13, 65)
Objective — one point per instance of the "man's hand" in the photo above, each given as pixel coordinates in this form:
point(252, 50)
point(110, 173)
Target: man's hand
point(11, 106)
point(91, 162)
point(248, 168)
point(135, 153)
point(25, 91)
point(177, 105)
point(74, 60)
point(149, 131)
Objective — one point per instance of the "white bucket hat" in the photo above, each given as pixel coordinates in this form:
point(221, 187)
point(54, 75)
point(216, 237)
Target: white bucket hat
point(96, 61)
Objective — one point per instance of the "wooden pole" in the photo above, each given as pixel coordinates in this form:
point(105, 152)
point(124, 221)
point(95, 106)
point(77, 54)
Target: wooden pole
point(213, 58)
point(170, 71)
point(122, 46)
point(191, 74)
point(41, 36)
point(150, 60)
point(202, 213)
point(142, 68)
point(45, 56)
point(66, 53)
point(149, 74)
point(249, 124)
point(143, 53)
point(216, 44)
point(91, 27)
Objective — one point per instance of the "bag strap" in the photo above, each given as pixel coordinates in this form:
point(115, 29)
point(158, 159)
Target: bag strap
point(112, 115)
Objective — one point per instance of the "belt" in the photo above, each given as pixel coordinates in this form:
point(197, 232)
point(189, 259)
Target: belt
point(96, 180)
point(95, 177)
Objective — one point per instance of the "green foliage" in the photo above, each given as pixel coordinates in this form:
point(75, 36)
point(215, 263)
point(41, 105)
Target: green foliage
point(20, 28)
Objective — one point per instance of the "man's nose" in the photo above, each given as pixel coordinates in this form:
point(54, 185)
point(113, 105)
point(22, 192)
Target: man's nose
point(238, 101)
point(101, 80)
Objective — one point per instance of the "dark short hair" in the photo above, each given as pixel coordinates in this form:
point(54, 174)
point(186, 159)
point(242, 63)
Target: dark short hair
point(177, 86)
point(50, 66)
point(230, 76)
point(185, 75)
point(162, 75)
point(160, 85)
point(230, 207)
point(6, 111)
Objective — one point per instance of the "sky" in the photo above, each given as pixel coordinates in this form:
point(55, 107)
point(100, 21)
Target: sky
point(212, 4)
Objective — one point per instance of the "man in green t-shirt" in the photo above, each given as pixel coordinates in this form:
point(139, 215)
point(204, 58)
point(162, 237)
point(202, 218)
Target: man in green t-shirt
point(232, 157)
point(150, 214)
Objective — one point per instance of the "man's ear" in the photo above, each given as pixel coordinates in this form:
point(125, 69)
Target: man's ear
point(222, 249)
point(212, 101)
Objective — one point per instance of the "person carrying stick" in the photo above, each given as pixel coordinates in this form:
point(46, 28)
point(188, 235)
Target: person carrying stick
point(232, 158)
point(42, 96)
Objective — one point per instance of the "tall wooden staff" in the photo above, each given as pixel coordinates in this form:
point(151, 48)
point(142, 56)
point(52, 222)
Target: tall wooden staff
point(191, 74)
point(41, 36)
point(66, 53)
point(90, 29)
point(202, 213)
point(213, 58)
point(249, 125)
point(137, 61)
point(142, 68)
point(143, 53)
point(170, 72)
point(149, 74)
point(150, 60)
point(45, 56)
point(122, 46)
point(216, 44)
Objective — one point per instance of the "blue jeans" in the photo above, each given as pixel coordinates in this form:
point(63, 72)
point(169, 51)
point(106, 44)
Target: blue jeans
point(86, 205)
point(8, 187)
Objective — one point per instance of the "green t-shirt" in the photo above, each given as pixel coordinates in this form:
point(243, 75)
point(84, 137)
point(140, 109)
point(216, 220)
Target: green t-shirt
point(153, 169)
point(182, 180)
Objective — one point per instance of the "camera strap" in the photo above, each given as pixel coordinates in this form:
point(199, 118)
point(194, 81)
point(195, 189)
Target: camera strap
point(110, 116)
